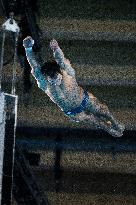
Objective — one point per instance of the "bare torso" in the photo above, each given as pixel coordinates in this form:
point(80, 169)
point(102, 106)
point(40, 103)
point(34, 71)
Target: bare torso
point(68, 95)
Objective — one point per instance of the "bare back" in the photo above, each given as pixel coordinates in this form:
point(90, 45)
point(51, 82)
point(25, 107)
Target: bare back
point(68, 94)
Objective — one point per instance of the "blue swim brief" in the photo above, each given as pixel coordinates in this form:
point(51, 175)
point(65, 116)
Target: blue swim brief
point(81, 107)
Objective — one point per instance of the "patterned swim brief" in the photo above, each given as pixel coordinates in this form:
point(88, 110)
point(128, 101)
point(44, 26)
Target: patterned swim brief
point(81, 107)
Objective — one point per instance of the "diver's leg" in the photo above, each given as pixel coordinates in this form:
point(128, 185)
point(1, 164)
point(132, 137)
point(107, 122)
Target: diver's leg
point(102, 111)
point(97, 122)
point(108, 117)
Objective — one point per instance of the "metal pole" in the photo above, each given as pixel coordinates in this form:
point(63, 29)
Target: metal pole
point(14, 65)
point(2, 55)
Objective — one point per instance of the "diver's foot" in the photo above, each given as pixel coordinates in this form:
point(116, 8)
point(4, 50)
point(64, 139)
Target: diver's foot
point(121, 127)
point(115, 133)
point(118, 127)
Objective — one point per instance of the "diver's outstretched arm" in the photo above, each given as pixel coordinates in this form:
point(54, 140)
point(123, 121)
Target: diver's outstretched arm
point(60, 59)
point(36, 68)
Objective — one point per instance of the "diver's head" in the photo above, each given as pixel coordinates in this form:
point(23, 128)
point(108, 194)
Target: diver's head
point(51, 69)
point(52, 72)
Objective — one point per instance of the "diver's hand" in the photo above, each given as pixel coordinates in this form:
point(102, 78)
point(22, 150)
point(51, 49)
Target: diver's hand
point(28, 42)
point(54, 45)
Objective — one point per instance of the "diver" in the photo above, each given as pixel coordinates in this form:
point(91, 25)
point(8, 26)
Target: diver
point(58, 80)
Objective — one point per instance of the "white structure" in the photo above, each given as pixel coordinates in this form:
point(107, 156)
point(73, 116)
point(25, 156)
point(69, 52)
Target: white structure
point(2, 137)
point(11, 26)
point(8, 120)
